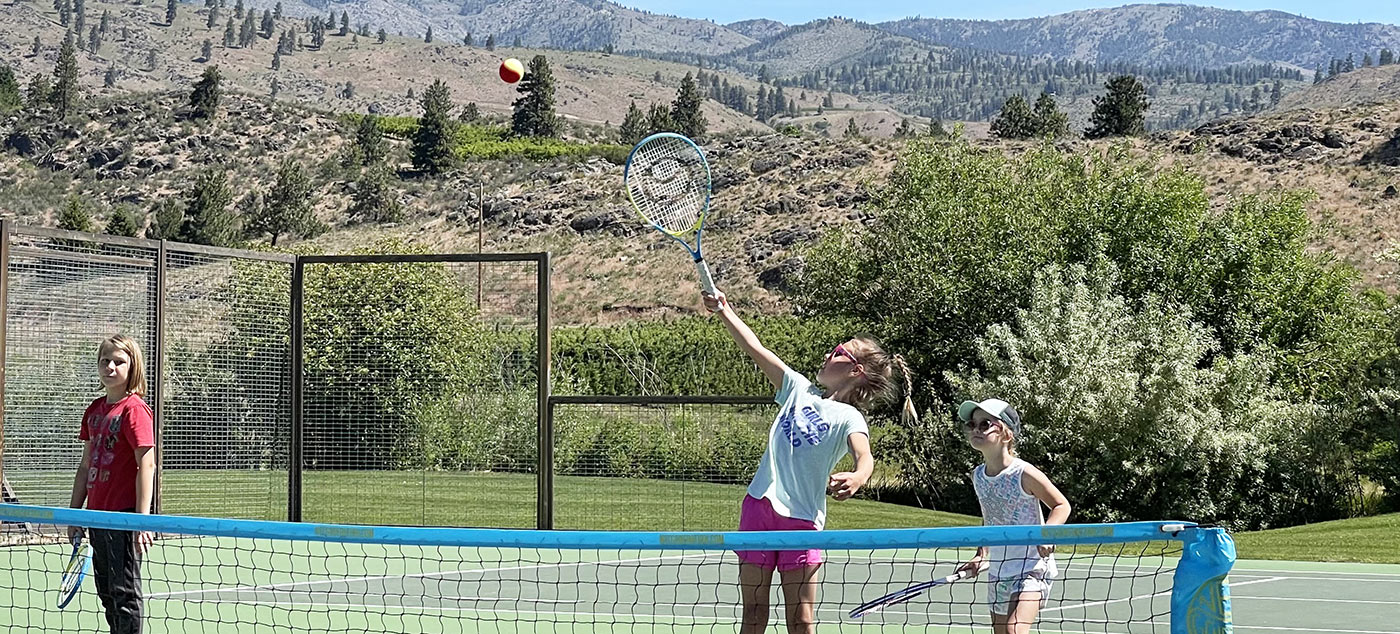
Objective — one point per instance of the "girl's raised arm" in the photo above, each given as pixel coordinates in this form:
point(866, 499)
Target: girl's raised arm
point(769, 363)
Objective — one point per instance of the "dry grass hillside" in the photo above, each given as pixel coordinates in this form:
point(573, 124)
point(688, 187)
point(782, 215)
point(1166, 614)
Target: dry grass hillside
point(773, 193)
point(1376, 84)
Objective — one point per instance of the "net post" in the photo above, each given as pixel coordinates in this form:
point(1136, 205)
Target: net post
point(544, 495)
point(158, 359)
point(5, 230)
point(1200, 586)
point(294, 447)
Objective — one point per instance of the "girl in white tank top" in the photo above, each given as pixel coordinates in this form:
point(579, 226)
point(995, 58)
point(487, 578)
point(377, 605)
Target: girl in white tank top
point(1011, 492)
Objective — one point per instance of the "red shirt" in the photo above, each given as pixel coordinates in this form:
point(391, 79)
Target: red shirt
point(115, 430)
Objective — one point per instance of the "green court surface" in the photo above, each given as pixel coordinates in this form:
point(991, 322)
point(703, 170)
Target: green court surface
point(228, 585)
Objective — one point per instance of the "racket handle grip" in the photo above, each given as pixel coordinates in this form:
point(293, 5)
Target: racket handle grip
point(706, 281)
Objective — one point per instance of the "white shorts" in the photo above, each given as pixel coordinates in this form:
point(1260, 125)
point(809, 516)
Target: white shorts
point(1002, 593)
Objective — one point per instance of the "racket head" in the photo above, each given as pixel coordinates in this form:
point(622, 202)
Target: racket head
point(668, 183)
point(907, 594)
point(79, 562)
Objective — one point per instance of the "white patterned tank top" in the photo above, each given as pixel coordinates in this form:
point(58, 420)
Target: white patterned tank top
point(1006, 503)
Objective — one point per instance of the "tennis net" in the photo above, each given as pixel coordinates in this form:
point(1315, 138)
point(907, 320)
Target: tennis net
point(217, 575)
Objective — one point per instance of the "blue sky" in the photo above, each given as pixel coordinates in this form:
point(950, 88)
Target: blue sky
point(799, 11)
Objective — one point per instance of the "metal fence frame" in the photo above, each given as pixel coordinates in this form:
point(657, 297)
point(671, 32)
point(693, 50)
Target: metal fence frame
point(543, 354)
point(156, 357)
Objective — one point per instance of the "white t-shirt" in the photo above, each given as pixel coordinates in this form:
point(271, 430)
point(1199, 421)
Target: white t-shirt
point(806, 441)
point(1006, 503)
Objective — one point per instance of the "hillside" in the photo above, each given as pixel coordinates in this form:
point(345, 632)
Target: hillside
point(1376, 84)
point(1201, 37)
point(773, 193)
point(962, 84)
point(592, 88)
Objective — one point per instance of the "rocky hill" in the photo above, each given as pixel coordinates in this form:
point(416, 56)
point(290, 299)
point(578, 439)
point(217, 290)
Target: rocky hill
point(1203, 37)
point(1377, 84)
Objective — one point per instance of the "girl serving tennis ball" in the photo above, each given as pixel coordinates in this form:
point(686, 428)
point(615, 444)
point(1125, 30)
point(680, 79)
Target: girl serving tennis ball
point(1010, 492)
point(814, 429)
point(117, 473)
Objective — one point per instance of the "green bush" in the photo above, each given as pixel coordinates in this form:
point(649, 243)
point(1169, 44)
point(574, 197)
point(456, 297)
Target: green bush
point(476, 141)
point(1135, 413)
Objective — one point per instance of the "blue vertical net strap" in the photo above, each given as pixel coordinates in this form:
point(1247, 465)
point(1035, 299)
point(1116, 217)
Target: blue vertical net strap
point(218, 575)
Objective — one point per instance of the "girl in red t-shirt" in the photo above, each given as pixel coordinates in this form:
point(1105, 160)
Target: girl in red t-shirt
point(117, 473)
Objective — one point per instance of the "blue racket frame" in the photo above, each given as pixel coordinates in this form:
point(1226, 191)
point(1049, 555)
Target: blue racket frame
point(72, 580)
point(706, 280)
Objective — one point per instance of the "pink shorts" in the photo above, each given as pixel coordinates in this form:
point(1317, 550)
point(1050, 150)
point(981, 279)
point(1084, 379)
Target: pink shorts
point(758, 515)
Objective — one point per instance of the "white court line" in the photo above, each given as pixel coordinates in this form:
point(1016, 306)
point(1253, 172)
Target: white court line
point(1311, 629)
point(1396, 575)
point(1329, 579)
point(1317, 600)
point(279, 586)
point(1142, 596)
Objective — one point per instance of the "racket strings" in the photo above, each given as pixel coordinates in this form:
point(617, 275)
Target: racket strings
point(668, 182)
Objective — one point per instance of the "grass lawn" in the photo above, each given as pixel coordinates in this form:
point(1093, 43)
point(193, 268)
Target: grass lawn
point(1364, 539)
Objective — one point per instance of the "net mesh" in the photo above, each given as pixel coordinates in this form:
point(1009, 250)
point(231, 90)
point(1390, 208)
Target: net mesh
point(655, 465)
point(420, 387)
point(669, 182)
point(260, 576)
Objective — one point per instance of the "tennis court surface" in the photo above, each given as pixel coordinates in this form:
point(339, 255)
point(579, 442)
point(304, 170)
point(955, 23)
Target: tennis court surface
point(236, 576)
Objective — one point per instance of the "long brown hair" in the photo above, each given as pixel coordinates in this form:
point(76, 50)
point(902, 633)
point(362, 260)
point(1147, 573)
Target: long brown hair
point(877, 383)
point(136, 375)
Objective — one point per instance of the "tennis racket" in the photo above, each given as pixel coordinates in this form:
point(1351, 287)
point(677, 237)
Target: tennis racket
point(901, 596)
point(78, 564)
point(668, 183)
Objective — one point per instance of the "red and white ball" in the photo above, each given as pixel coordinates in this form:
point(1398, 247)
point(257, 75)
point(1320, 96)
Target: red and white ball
point(512, 70)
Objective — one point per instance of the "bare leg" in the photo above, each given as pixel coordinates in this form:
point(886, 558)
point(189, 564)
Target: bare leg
point(1025, 609)
point(800, 599)
point(754, 582)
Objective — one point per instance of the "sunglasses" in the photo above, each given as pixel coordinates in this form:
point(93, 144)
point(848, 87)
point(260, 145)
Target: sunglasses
point(840, 351)
point(982, 426)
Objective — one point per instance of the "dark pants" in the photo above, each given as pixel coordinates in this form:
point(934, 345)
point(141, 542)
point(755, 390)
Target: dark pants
point(117, 570)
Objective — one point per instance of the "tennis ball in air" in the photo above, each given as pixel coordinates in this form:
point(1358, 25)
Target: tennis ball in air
point(512, 71)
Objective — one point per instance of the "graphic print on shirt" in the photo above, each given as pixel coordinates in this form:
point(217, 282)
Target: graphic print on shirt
point(809, 428)
point(104, 439)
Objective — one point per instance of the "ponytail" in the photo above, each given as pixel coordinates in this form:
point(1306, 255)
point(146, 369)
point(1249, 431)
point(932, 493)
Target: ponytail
point(907, 414)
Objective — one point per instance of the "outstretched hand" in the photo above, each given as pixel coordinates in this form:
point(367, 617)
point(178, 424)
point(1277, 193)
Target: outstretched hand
point(844, 485)
point(714, 303)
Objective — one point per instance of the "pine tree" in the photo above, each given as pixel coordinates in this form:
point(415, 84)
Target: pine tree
point(123, 222)
point(516, 43)
point(106, 22)
point(94, 40)
point(382, 35)
point(37, 48)
point(369, 141)
point(428, 37)
point(1049, 120)
point(277, 11)
point(1276, 95)
point(65, 89)
point(344, 23)
point(534, 110)
point(75, 215)
point(267, 26)
point(65, 12)
point(659, 119)
point(1387, 57)
point(167, 220)
point(248, 31)
point(853, 130)
point(467, 39)
point(906, 129)
point(204, 99)
point(213, 19)
point(491, 42)
point(109, 79)
point(1015, 121)
point(79, 17)
point(432, 142)
point(277, 59)
point(318, 34)
point(40, 91)
point(275, 88)
point(1317, 76)
point(230, 36)
point(170, 12)
point(634, 126)
point(685, 110)
point(10, 98)
point(1366, 60)
point(208, 219)
point(374, 199)
point(287, 207)
point(238, 9)
point(151, 59)
point(1121, 111)
point(470, 113)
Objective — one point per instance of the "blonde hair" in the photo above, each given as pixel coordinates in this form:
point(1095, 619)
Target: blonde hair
point(877, 383)
point(136, 375)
